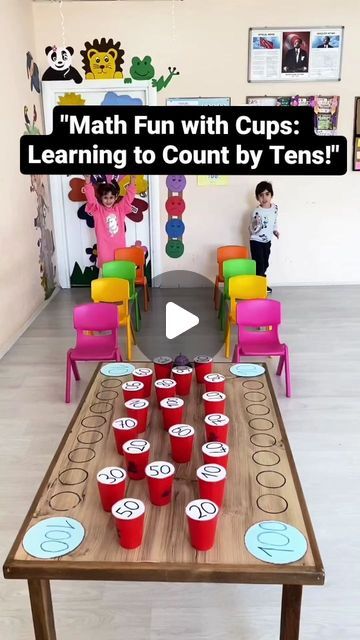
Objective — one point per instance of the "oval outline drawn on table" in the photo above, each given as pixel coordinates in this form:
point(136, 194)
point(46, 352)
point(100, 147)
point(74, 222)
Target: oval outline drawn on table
point(92, 441)
point(255, 404)
point(267, 435)
point(107, 391)
point(262, 429)
point(267, 453)
point(268, 486)
point(82, 449)
point(60, 493)
point(245, 384)
point(96, 426)
point(96, 404)
point(275, 495)
point(254, 399)
point(70, 484)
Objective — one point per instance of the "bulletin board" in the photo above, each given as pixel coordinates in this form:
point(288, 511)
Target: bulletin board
point(356, 154)
point(274, 56)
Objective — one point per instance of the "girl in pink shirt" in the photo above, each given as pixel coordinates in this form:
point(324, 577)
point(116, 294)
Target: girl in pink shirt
point(109, 216)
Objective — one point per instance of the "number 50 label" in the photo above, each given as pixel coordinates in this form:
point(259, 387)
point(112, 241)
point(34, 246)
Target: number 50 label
point(275, 542)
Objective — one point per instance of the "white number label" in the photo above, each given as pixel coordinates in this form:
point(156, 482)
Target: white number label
point(111, 475)
point(202, 509)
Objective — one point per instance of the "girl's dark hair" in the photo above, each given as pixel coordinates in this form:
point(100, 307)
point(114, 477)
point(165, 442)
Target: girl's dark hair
point(263, 186)
point(106, 187)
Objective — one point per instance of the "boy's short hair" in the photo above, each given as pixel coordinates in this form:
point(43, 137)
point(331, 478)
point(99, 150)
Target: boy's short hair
point(263, 186)
point(107, 187)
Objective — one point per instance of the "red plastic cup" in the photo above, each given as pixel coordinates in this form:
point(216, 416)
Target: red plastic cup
point(136, 453)
point(214, 382)
point(214, 402)
point(133, 389)
point(203, 365)
point(163, 366)
point(165, 388)
point(202, 516)
point(124, 429)
point(145, 375)
point(216, 427)
point(181, 440)
point(215, 453)
point(138, 408)
point(111, 483)
point(160, 478)
point(172, 411)
point(183, 377)
point(129, 520)
point(211, 480)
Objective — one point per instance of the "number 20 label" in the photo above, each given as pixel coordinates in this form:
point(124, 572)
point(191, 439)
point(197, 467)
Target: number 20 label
point(275, 542)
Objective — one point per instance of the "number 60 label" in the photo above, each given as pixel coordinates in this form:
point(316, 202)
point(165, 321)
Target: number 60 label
point(275, 542)
point(53, 537)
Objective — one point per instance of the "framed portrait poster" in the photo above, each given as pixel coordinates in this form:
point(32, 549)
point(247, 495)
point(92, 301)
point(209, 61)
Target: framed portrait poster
point(288, 54)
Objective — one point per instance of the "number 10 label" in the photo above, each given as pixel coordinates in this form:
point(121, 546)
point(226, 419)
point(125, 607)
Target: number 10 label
point(275, 542)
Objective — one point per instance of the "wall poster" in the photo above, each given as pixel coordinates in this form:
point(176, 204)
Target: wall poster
point(326, 109)
point(288, 54)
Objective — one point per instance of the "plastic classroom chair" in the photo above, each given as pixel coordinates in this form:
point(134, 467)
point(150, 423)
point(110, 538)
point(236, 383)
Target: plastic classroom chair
point(116, 290)
point(242, 288)
point(127, 271)
point(234, 267)
point(89, 347)
point(264, 313)
point(227, 253)
point(136, 255)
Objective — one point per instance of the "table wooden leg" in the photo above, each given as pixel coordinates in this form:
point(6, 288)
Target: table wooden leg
point(42, 610)
point(290, 612)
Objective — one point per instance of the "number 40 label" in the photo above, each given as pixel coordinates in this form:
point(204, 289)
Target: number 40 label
point(275, 542)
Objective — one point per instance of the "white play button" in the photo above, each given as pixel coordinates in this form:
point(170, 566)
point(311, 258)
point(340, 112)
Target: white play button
point(178, 320)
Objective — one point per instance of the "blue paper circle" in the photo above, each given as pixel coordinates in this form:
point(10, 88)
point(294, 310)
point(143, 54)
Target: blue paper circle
point(247, 370)
point(116, 369)
point(53, 537)
point(275, 542)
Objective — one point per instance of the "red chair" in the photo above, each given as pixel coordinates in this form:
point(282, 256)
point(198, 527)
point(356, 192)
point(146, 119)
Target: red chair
point(261, 313)
point(98, 317)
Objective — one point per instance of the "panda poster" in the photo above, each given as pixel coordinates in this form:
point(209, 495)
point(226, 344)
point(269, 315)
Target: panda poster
point(59, 65)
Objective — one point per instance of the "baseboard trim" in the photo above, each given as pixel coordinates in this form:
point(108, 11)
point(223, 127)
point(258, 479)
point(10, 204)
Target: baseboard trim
point(10, 343)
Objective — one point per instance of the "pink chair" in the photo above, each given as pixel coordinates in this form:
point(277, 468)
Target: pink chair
point(93, 317)
point(261, 313)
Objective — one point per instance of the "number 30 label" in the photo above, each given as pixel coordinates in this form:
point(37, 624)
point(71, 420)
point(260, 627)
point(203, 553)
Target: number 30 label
point(275, 542)
point(53, 537)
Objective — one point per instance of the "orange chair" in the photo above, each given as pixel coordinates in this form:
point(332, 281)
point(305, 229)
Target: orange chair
point(137, 255)
point(227, 252)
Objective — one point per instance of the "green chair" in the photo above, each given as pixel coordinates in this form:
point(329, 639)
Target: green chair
point(127, 271)
point(234, 267)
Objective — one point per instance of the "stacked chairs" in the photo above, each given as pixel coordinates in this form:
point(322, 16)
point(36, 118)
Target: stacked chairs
point(227, 252)
point(89, 320)
point(242, 288)
point(116, 290)
point(126, 271)
point(231, 268)
point(136, 255)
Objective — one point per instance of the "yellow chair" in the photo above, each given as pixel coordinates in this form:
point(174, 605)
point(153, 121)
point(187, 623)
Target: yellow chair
point(242, 288)
point(116, 290)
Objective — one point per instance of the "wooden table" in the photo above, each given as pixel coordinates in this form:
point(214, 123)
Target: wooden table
point(262, 485)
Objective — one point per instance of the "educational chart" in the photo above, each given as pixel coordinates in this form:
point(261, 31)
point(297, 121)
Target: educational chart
point(326, 109)
point(356, 158)
point(289, 54)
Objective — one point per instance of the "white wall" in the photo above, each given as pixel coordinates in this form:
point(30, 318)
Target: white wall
point(21, 293)
point(207, 41)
